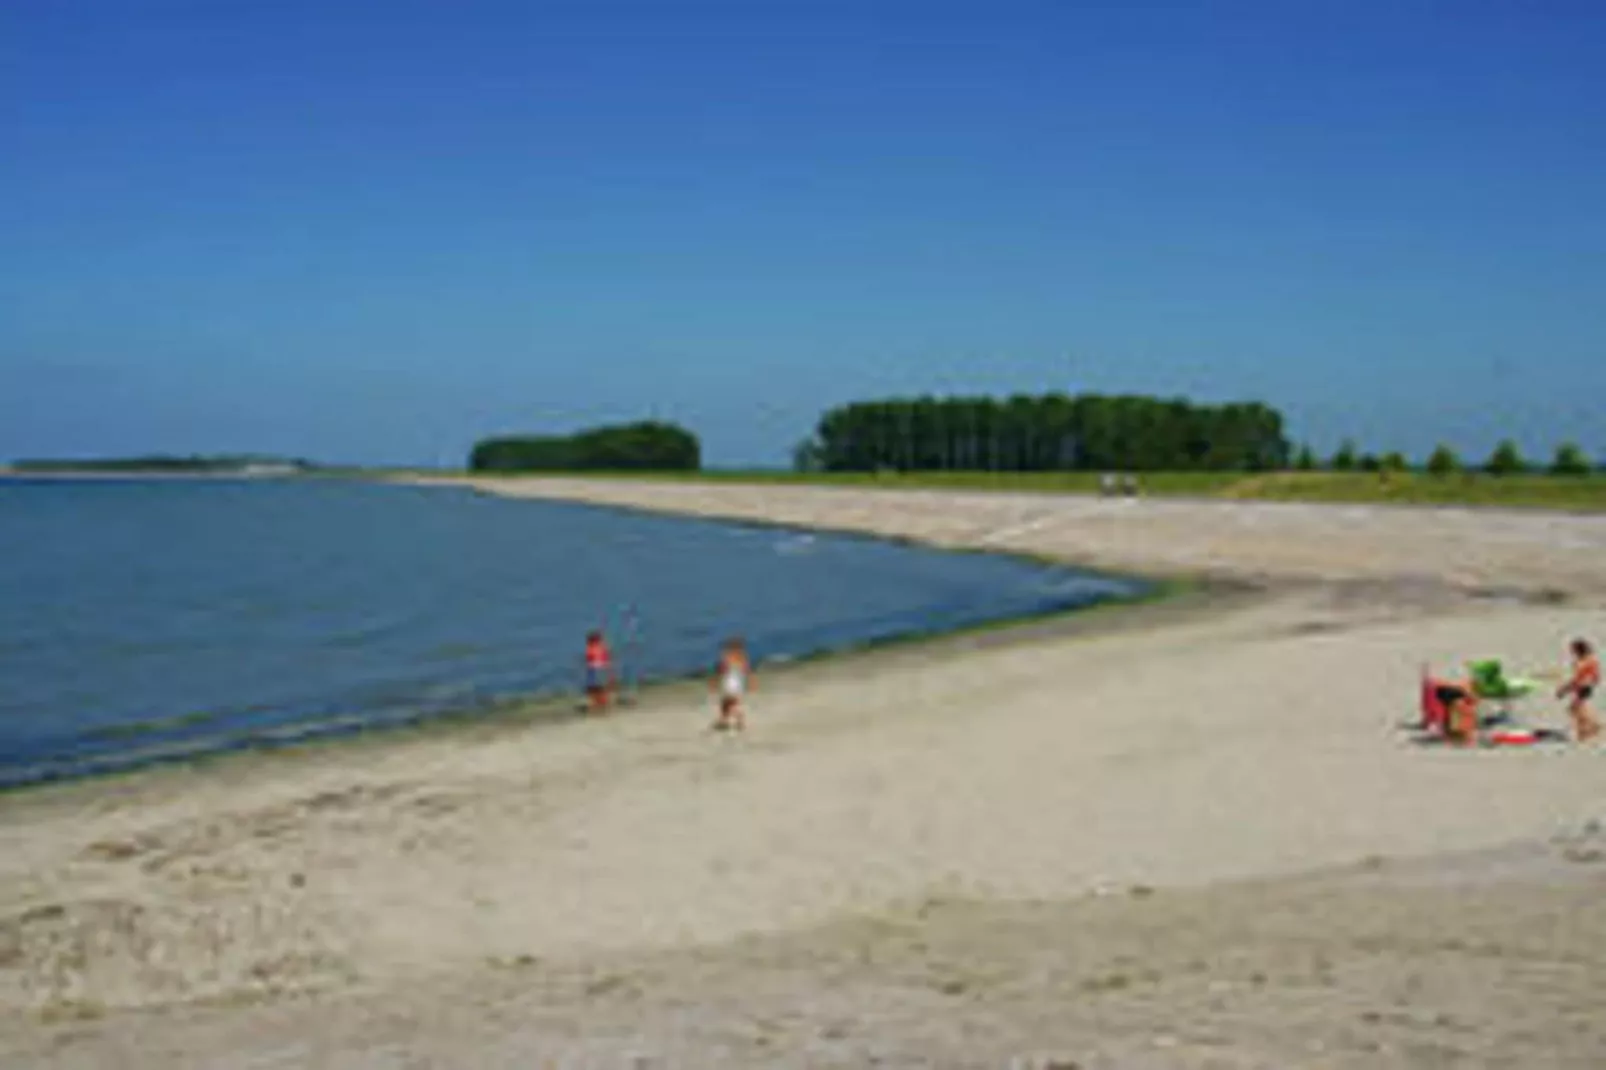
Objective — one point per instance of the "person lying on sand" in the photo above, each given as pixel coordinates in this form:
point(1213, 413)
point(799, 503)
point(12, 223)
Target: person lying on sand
point(1580, 687)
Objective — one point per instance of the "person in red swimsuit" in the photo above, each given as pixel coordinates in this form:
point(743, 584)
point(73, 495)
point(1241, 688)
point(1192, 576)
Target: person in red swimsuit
point(1460, 702)
point(1580, 687)
point(599, 672)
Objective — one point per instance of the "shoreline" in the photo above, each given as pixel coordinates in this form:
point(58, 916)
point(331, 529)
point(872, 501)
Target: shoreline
point(546, 708)
point(1556, 556)
point(517, 715)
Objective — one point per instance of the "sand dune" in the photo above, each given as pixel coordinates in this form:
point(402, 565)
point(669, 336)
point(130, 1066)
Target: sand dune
point(1164, 836)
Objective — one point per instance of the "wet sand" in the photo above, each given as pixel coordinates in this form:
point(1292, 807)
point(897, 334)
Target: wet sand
point(1180, 836)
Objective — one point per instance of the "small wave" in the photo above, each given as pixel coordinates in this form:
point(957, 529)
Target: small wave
point(453, 651)
point(1087, 587)
point(154, 725)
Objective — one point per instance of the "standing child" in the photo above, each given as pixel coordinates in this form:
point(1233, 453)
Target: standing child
point(733, 676)
point(1580, 687)
point(599, 671)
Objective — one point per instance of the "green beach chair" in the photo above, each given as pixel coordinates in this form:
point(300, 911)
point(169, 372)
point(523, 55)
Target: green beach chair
point(1490, 683)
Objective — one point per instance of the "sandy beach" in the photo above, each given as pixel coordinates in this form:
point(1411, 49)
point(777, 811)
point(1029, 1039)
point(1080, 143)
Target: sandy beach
point(1187, 834)
point(1533, 552)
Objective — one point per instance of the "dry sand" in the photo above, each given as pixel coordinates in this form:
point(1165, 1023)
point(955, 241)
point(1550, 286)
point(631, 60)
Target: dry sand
point(1165, 836)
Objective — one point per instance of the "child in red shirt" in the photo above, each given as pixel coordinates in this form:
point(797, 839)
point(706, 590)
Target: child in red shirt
point(599, 672)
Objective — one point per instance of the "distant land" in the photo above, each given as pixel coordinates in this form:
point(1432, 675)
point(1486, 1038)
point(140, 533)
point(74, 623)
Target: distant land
point(214, 464)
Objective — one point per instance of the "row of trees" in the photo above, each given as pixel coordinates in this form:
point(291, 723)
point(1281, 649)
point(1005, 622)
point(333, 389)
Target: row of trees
point(643, 446)
point(1051, 432)
point(1568, 460)
point(1045, 433)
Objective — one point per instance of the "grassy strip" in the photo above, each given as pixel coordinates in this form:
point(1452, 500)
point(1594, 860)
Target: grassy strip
point(1576, 493)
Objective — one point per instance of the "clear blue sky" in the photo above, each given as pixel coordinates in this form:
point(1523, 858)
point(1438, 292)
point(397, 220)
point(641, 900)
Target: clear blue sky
point(372, 232)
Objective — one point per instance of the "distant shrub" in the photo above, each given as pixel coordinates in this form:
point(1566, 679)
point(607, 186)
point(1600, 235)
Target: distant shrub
point(1570, 460)
point(1344, 460)
point(1505, 460)
point(1443, 461)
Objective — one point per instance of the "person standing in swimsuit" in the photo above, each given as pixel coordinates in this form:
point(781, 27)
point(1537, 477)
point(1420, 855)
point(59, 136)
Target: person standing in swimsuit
point(1581, 687)
point(733, 676)
point(599, 672)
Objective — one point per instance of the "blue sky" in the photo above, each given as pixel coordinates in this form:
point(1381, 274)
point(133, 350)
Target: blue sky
point(374, 232)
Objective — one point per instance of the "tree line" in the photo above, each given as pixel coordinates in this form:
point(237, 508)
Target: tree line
point(1050, 432)
point(163, 462)
point(646, 445)
point(1569, 459)
point(1023, 433)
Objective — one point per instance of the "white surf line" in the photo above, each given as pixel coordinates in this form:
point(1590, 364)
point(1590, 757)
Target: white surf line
point(998, 535)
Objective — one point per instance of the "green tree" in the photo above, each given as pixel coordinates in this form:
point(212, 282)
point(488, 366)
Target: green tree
point(1305, 459)
point(1268, 447)
point(806, 455)
point(929, 450)
point(1570, 460)
point(1048, 432)
point(1505, 460)
point(1443, 461)
point(1392, 461)
point(983, 434)
point(1345, 459)
point(643, 446)
point(1019, 443)
point(1059, 431)
point(1369, 462)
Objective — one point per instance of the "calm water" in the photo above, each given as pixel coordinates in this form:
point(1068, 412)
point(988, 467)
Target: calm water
point(148, 619)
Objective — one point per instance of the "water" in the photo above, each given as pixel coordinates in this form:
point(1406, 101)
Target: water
point(148, 619)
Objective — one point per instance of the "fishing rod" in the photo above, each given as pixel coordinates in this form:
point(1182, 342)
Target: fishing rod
point(629, 647)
